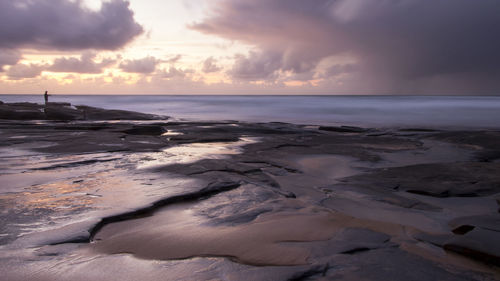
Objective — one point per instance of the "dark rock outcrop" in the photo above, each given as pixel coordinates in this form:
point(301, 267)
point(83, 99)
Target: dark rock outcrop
point(153, 130)
point(480, 244)
point(22, 111)
point(62, 111)
point(94, 113)
point(343, 129)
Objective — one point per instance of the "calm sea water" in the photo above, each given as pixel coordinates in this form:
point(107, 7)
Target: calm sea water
point(380, 111)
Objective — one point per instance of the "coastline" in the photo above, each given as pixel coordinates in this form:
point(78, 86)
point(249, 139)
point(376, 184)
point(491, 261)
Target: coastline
point(279, 200)
point(452, 112)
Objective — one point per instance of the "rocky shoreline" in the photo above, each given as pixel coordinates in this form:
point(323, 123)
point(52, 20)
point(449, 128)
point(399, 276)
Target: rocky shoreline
point(251, 201)
point(60, 111)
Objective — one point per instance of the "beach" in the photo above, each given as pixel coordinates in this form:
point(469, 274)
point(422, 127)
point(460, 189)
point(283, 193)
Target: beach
point(99, 194)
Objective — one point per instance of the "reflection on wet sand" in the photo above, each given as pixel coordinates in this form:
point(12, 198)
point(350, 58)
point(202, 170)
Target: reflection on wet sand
point(175, 233)
point(190, 153)
point(48, 199)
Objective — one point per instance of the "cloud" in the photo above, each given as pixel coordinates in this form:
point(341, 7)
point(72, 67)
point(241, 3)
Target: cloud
point(22, 71)
point(66, 25)
point(339, 69)
point(173, 72)
point(210, 65)
point(85, 64)
point(256, 66)
point(145, 65)
point(174, 59)
point(394, 44)
point(8, 57)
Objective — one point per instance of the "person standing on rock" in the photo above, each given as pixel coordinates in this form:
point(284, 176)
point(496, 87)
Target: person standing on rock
point(46, 97)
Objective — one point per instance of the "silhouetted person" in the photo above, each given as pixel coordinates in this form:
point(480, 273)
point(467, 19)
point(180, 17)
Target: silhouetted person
point(46, 96)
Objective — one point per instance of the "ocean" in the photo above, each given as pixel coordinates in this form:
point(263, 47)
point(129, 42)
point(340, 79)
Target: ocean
point(370, 111)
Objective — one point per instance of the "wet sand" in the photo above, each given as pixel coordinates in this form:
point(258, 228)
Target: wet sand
point(160, 199)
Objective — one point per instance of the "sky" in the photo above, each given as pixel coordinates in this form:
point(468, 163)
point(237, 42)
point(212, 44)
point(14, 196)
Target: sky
point(405, 47)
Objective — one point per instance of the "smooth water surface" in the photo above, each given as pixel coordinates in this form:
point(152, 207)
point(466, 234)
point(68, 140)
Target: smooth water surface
point(380, 111)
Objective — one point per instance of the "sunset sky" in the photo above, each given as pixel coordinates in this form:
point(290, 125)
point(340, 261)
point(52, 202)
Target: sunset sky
point(250, 47)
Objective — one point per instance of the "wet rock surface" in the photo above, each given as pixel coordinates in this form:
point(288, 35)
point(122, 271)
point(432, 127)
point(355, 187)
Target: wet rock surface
point(460, 179)
point(170, 200)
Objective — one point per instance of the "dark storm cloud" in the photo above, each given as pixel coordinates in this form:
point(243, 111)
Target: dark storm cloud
point(257, 66)
point(66, 25)
point(338, 69)
point(145, 65)
point(395, 42)
point(85, 64)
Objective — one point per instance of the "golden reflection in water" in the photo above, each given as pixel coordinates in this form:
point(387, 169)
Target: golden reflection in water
point(65, 195)
point(54, 196)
